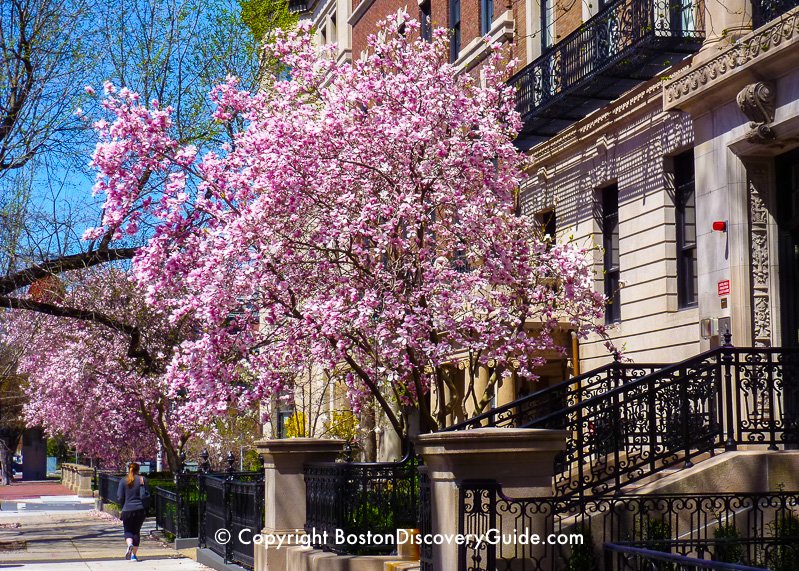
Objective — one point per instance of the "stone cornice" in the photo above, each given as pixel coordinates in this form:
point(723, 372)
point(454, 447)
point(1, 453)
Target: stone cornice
point(773, 42)
point(590, 131)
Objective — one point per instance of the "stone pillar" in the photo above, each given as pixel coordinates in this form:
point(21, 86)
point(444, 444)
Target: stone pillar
point(83, 481)
point(724, 24)
point(520, 460)
point(284, 460)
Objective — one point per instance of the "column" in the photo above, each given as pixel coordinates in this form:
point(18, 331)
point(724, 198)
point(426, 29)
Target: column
point(520, 460)
point(284, 460)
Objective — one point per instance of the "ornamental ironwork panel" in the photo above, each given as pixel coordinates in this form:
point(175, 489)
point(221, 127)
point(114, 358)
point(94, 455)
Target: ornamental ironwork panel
point(763, 11)
point(188, 498)
point(758, 529)
point(642, 425)
point(107, 487)
point(626, 42)
point(233, 501)
point(362, 501)
point(425, 520)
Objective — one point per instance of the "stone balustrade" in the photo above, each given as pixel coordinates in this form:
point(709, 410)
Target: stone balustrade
point(78, 478)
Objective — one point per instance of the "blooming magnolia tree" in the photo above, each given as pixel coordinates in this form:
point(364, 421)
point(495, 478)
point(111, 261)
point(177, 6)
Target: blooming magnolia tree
point(364, 219)
point(82, 383)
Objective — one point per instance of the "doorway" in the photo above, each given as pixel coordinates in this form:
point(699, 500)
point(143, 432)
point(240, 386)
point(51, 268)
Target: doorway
point(787, 173)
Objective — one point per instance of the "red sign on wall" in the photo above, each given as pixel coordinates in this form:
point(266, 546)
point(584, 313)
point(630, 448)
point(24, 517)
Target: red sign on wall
point(724, 287)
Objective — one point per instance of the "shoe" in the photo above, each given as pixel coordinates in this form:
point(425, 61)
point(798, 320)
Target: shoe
point(129, 552)
point(134, 558)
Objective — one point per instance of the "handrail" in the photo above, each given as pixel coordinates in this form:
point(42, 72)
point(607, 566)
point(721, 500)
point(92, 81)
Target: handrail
point(691, 562)
point(477, 421)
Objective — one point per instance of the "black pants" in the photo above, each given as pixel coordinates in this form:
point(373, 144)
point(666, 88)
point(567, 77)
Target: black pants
point(132, 522)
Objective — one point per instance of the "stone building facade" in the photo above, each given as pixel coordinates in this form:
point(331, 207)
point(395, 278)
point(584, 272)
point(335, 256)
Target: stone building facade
point(663, 133)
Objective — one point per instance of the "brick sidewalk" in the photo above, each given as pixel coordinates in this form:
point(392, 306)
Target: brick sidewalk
point(27, 490)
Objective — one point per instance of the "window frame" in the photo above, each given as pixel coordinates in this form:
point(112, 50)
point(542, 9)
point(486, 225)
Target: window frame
point(610, 242)
point(486, 16)
point(426, 20)
point(686, 251)
point(455, 29)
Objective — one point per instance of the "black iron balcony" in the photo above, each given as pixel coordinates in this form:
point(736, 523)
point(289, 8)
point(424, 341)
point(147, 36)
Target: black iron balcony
point(763, 11)
point(297, 6)
point(627, 42)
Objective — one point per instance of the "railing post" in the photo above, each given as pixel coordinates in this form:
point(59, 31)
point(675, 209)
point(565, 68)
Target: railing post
point(685, 412)
point(519, 460)
point(727, 357)
point(284, 485)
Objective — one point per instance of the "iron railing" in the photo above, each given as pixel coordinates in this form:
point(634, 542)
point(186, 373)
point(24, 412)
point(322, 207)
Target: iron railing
point(166, 510)
point(758, 529)
point(425, 520)
point(763, 11)
point(347, 500)
point(107, 487)
point(626, 558)
point(187, 488)
point(618, 35)
point(668, 417)
point(527, 409)
point(233, 501)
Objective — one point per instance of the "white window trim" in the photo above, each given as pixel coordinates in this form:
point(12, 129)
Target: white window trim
point(477, 50)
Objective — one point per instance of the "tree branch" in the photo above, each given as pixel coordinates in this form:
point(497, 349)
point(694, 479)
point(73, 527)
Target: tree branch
point(62, 264)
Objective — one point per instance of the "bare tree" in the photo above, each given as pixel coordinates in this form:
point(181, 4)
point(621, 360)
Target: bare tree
point(173, 51)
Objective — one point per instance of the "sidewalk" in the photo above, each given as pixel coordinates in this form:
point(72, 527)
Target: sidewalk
point(56, 539)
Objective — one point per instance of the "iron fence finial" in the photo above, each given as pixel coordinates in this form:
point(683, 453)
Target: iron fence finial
point(727, 338)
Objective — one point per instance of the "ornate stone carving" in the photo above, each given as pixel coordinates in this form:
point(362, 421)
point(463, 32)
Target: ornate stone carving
point(759, 260)
point(756, 101)
point(777, 34)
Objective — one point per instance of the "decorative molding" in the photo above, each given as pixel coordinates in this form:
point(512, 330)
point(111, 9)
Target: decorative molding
point(759, 258)
point(757, 102)
point(478, 49)
point(776, 35)
point(359, 11)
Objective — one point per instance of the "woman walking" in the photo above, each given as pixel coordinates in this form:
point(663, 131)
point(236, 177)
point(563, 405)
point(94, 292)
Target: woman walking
point(131, 495)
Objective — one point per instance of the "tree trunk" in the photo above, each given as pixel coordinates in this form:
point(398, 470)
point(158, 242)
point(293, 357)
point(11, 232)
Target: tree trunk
point(8, 444)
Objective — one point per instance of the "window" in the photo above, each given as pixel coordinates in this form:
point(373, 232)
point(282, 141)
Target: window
point(547, 36)
point(610, 242)
point(486, 15)
point(455, 29)
point(283, 417)
point(425, 17)
point(547, 221)
point(685, 219)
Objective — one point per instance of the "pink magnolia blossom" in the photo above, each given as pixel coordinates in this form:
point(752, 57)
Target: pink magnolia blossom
point(83, 385)
point(364, 220)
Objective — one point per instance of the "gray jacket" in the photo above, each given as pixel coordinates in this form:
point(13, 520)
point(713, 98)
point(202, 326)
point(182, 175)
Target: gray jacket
point(130, 497)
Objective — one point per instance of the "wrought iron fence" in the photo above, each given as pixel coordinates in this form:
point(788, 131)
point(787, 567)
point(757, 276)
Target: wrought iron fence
point(425, 520)
point(166, 510)
point(567, 393)
point(233, 501)
point(614, 35)
point(756, 529)
point(187, 488)
point(763, 11)
point(107, 486)
point(351, 507)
